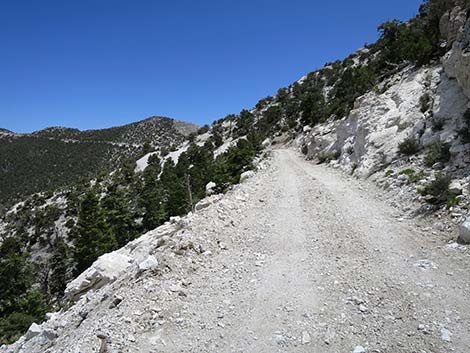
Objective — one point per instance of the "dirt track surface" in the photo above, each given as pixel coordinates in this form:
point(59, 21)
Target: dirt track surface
point(318, 264)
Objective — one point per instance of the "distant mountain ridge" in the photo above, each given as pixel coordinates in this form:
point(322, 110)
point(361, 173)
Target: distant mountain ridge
point(118, 133)
point(55, 156)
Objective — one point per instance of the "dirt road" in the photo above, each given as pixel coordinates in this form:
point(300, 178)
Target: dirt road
point(317, 264)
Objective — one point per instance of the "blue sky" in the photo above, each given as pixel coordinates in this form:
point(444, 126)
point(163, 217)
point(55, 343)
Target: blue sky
point(99, 63)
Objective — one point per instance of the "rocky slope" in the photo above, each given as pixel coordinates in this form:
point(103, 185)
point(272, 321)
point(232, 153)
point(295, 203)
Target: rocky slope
point(366, 143)
point(428, 104)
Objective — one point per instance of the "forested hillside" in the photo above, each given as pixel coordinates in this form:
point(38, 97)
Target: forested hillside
point(55, 157)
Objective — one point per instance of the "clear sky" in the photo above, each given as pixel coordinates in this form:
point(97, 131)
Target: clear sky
point(99, 63)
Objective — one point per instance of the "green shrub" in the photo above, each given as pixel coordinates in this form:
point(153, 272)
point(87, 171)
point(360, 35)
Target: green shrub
point(465, 131)
point(13, 326)
point(437, 124)
point(452, 200)
point(407, 171)
point(438, 188)
point(328, 156)
point(409, 146)
point(437, 152)
point(192, 136)
point(425, 102)
point(414, 178)
point(203, 129)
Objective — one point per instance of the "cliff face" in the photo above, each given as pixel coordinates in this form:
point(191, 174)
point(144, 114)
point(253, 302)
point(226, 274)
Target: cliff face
point(453, 22)
point(456, 26)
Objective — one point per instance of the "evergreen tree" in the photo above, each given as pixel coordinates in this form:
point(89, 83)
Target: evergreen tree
point(151, 199)
point(119, 216)
point(175, 196)
point(59, 267)
point(20, 303)
point(197, 169)
point(92, 236)
point(15, 275)
point(245, 123)
point(217, 138)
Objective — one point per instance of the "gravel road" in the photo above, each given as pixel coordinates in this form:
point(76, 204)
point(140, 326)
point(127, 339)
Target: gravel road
point(318, 264)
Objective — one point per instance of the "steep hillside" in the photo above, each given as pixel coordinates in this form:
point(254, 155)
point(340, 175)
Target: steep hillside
point(395, 112)
point(50, 237)
point(54, 157)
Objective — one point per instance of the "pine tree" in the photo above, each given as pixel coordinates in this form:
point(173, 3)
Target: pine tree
point(174, 190)
point(59, 267)
point(151, 199)
point(16, 275)
point(92, 236)
point(20, 303)
point(119, 216)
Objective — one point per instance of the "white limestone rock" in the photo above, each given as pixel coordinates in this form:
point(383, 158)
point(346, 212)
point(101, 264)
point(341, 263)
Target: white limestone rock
point(150, 263)
point(246, 175)
point(103, 271)
point(210, 188)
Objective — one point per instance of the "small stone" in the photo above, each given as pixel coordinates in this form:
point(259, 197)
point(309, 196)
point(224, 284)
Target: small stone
point(116, 301)
point(455, 187)
point(49, 335)
point(83, 314)
point(150, 263)
point(359, 349)
point(279, 338)
point(363, 308)
point(306, 339)
point(210, 187)
point(445, 335)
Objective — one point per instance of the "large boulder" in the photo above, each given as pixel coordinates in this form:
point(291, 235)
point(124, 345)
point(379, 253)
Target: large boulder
point(44, 335)
point(464, 232)
point(103, 271)
point(33, 331)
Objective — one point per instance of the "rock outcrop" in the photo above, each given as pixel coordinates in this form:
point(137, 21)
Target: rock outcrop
point(457, 61)
point(366, 143)
point(453, 22)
